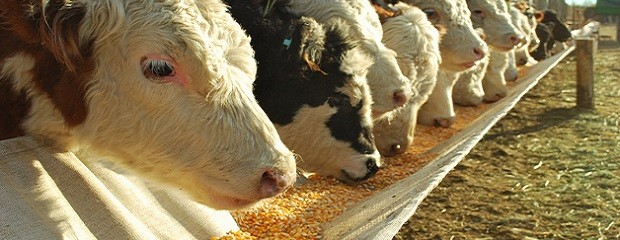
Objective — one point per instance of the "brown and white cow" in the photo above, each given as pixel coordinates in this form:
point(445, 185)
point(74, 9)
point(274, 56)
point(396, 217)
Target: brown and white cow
point(163, 88)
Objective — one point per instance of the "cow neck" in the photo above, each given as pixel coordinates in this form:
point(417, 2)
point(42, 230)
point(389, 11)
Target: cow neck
point(64, 88)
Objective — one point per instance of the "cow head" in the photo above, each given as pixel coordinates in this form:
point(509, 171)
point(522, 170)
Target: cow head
point(163, 88)
point(461, 47)
point(417, 43)
point(560, 31)
point(493, 17)
point(311, 82)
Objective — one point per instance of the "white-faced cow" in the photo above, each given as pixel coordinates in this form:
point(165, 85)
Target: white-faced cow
point(524, 18)
point(492, 17)
point(311, 82)
point(461, 49)
point(163, 88)
point(416, 43)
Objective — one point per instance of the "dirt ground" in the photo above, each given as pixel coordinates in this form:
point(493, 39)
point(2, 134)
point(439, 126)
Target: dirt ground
point(547, 170)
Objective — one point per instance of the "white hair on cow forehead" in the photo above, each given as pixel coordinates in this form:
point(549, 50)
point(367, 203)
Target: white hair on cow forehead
point(192, 41)
point(456, 10)
point(356, 63)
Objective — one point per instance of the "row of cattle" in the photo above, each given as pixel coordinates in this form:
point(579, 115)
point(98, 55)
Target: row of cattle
point(228, 100)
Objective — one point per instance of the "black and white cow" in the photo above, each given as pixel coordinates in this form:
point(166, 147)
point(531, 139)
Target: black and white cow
point(550, 30)
point(311, 82)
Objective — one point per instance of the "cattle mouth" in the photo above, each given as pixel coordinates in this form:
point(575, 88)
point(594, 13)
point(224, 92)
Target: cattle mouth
point(230, 202)
point(504, 48)
point(469, 65)
point(350, 179)
point(371, 169)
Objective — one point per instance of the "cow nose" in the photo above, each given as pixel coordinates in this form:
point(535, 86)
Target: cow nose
point(396, 149)
point(400, 98)
point(514, 39)
point(273, 182)
point(371, 168)
point(479, 53)
point(444, 122)
point(498, 96)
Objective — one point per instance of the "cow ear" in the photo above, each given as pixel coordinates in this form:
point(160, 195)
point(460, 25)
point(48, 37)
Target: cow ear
point(539, 15)
point(59, 28)
point(312, 43)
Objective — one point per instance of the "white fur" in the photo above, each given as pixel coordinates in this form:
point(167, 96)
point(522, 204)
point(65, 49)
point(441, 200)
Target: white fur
point(458, 44)
point(521, 55)
point(416, 42)
point(209, 138)
point(496, 23)
point(439, 105)
point(468, 90)
point(384, 76)
point(498, 28)
point(494, 82)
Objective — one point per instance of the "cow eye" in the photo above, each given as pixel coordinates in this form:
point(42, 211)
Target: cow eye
point(478, 13)
point(431, 14)
point(157, 68)
point(338, 100)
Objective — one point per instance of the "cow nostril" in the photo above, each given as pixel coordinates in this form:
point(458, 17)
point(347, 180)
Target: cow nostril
point(444, 122)
point(272, 183)
point(478, 53)
point(514, 39)
point(400, 98)
point(396, 149)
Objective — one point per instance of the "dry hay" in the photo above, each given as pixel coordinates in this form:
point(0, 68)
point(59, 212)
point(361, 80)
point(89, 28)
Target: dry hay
point(546, 171)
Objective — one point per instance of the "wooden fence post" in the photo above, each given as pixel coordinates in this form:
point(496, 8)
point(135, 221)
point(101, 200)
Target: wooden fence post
point(585, 73)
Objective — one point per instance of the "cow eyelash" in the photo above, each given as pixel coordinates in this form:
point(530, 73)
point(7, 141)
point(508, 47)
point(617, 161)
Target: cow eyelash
point(431, 14)
point(478, 12)
point(157, 68)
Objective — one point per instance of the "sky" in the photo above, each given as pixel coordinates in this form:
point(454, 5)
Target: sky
point(580, 2)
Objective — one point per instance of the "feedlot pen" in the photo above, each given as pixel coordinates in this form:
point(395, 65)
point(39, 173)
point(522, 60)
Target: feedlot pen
point(43, 187)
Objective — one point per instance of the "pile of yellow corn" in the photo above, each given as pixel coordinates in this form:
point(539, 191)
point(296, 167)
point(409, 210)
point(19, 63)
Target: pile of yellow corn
point(299, 212)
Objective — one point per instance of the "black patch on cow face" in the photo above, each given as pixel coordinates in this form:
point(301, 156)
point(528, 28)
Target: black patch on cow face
point(345, 125)
point(560, 32)
point(285, 81)
point(15, 108)
point(544, 34)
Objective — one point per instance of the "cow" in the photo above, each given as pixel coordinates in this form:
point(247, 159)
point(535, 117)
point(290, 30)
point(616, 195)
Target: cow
point(390, 89)
point(468, 90)
point(530, 18)
point(492, 17)
point(162, 88)
point(525, 19)
point(461, 49)
point(553, 29)
point(312, 83)
point(416, 43)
